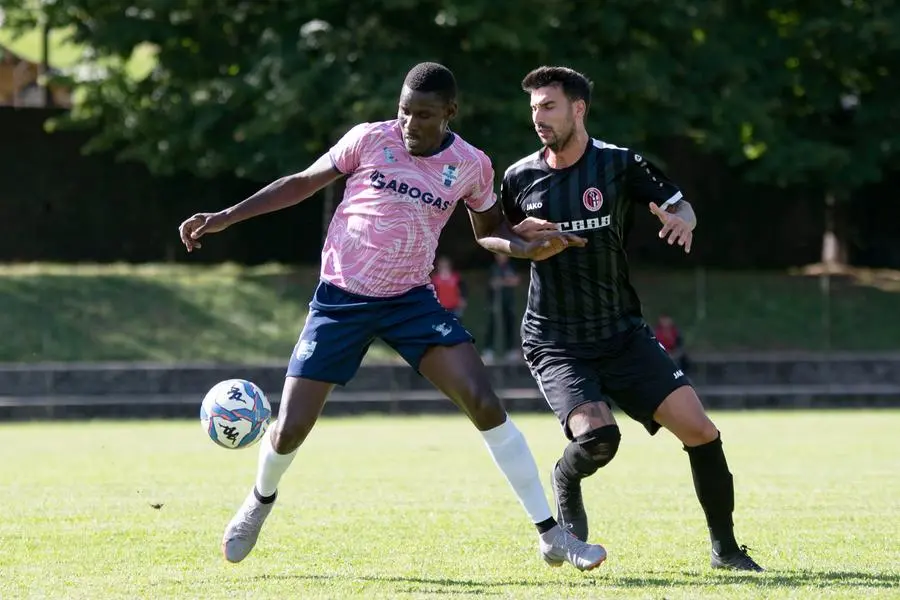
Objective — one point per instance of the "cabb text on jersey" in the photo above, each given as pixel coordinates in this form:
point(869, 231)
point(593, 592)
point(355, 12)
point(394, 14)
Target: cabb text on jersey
point(585, 224)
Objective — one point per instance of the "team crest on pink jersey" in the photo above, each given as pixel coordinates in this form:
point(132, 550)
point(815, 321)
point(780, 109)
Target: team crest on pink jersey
point(592, 199)
point(450, 174)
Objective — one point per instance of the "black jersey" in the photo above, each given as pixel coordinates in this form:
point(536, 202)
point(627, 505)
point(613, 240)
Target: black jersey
point(584, 295)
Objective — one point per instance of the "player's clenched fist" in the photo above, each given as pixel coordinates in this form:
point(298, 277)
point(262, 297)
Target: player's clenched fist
point(532, 228)
point(544, 248)
point(200, 224)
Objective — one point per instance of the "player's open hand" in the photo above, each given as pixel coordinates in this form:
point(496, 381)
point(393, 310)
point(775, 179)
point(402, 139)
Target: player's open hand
point(533, 228)
point(198, 225)
point(676, 228)
point(551, 245)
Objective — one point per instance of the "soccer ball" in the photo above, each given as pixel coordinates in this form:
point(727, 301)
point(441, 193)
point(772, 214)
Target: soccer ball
point(235, 413)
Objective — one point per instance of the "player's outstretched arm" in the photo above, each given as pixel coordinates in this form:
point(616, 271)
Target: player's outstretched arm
point(648, 185)
point(495, 233)
point(281, 193)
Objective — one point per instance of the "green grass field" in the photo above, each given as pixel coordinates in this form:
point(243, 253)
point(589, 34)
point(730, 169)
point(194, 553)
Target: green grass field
point(386, 507)
point(176, 313)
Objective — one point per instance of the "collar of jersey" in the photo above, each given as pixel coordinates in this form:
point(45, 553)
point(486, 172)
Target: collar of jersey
point(448, 141)
point(543, 158)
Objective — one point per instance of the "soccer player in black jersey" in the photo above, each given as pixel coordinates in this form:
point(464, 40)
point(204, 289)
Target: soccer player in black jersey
point(583, 334)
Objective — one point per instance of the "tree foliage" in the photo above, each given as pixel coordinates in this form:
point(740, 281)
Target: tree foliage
point(798, 93)
point(811, 97)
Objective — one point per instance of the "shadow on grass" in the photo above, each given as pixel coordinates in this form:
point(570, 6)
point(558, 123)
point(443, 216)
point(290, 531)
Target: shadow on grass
point(771, 579)
point(122, 317)
point(802, 578)
point(125, 318)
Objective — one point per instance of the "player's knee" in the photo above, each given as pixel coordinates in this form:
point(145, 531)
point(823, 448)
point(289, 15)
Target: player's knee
point(698, 433)
point(286, 435)
point(708, 432)
point(593, 450)
point(601, 444)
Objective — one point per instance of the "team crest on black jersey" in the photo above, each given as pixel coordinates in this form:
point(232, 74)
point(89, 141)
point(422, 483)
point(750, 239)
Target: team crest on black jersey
point(592, 199)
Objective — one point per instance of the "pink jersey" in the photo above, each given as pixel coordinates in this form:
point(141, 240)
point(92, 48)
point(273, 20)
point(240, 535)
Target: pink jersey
point(383, 236)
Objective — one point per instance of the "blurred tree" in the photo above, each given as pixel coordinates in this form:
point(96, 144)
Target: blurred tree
point(260, 88)
point(808, 96)
point(799, 94)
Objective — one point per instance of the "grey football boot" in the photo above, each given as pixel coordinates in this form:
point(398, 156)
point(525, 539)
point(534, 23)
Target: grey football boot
point(243, 530)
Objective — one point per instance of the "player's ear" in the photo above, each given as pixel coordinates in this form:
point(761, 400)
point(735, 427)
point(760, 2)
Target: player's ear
point(451, 110)
point(580, 108)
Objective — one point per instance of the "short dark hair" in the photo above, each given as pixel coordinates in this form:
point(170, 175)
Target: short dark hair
point(432, 77)
point(574, 85)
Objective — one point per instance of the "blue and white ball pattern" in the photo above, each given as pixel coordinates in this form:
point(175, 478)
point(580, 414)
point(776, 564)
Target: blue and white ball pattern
point(235, 413)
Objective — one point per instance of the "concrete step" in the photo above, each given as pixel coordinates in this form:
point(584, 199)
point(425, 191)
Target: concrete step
point(126, 379)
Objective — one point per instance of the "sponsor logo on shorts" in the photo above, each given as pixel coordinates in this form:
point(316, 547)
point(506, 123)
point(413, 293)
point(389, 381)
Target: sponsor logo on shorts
point(678, 374)
point(444, 329)
point(305, 349)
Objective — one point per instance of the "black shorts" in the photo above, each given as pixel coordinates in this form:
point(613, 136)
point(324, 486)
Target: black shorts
point(633, 370)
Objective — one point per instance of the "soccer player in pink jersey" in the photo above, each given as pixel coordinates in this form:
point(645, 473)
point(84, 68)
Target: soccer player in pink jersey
point(405, 177)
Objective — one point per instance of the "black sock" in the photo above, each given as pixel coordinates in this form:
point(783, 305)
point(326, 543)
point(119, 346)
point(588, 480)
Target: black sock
point(546, 525)
point(264, 499)
point(715, 490)
point(572, 463)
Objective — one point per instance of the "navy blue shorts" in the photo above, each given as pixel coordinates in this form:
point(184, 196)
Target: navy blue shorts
point(341, 326)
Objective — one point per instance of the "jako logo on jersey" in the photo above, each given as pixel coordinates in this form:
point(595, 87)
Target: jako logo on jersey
point(450, 175)
point(592, 199)
point(404, 189)
point(389, 156)
point(534, 206)
point(585, 224)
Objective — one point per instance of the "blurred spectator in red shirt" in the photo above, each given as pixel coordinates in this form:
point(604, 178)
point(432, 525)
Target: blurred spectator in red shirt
point(449, 287)
point(669, 336)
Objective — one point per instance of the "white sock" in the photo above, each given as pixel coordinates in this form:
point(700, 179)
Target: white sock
point(271, 467)
point(511, 453)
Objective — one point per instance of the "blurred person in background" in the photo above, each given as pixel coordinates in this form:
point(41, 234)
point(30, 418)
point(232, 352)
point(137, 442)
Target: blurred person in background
point(449, 287)
point(503, 281)
point(669, 336)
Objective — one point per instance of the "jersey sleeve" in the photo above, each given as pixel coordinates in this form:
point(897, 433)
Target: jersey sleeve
point(508, 200)
point(482, 197)
point(345, 154)
point(646, 183)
